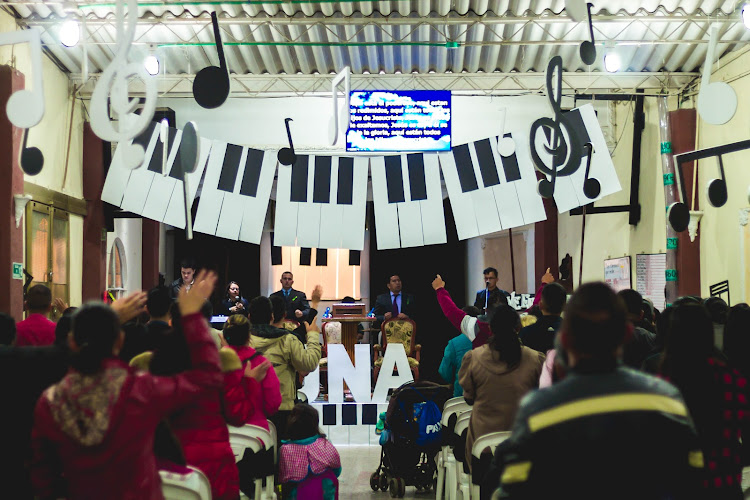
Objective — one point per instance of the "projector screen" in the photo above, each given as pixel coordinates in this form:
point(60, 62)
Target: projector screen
point(399, 120)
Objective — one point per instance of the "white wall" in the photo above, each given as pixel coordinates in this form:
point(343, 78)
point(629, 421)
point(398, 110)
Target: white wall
point(130, 233)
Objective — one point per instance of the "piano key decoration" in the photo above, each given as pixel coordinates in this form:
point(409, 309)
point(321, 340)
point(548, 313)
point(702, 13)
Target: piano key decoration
point(235, 192)
point(408, 201)
point(569, 190)
point(145, 191)
point(490, 192)
point(321, 202)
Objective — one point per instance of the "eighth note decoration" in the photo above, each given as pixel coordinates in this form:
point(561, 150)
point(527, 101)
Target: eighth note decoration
point(111, 92)
point(287, 156)
point(561, 141)
point(342, 77)
point(211, 84)
point(25, 108)
point(678, 212)
point(588, 48)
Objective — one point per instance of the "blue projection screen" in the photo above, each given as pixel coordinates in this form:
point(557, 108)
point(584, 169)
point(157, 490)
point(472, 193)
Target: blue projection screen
point(396, 120)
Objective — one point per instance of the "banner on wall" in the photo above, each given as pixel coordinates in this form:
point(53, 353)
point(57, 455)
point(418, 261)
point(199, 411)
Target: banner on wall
point(321, 200)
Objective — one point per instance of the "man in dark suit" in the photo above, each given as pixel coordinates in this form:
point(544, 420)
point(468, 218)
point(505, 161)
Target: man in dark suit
point(187, 277)
point(395, 304)
point(296, 301)
point(497, 296)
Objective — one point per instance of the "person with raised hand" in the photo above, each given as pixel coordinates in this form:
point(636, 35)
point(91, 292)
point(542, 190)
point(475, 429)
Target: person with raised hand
point(93, 434)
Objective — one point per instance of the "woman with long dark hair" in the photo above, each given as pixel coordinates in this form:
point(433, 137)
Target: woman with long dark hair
point(715, 394)
point(233, 302)
point(497, 375)
point(93, 433)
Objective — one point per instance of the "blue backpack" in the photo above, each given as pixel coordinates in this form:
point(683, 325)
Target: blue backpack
point(428, 416)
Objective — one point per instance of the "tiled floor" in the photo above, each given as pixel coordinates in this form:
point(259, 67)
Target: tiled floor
point(358, 463)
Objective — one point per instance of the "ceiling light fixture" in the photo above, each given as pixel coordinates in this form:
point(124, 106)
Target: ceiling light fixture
point(151, 63)
point(70, 33)
point(612, 60)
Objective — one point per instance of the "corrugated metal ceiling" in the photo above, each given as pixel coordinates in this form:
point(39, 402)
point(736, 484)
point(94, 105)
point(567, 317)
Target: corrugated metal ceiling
point(392, 37)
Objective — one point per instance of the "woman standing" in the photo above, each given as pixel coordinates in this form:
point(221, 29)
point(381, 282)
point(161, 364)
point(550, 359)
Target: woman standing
point(234, 302)
point(497, 375)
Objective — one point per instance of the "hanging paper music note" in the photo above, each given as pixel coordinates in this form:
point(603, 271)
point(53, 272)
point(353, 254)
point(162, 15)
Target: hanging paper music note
point(559, 138)
point(587, 49)
point(287, 156)
point(111, 92)
point(164, 138)
point(591, 186)
point(342, 77)
point(211, 84)
point(678, 212)
point(25, 108)
point(189, 156)
point(717, 101)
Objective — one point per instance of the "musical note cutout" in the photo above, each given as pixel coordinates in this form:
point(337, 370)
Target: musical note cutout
point(189, 156)
point(576, 9)
point(111, 92)
point(342, 77)
point(211, 84)
point(25, 108)
point(717, 101)
point(287, 156)
point(678, 212)
point(587, 49)
point(591, 186)
point(562, 142)
point(506, 146)
point(32, 159)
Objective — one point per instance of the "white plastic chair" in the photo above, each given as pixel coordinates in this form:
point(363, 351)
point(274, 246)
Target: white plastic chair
point(256, 439)
point(192, 486)
point(491, 441)
point(463, 480)
point(275, 436)
point(446, 463)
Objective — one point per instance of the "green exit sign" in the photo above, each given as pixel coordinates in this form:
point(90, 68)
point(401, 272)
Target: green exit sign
point(17, 271)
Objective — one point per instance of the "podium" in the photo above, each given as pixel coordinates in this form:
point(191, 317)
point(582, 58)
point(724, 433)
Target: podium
point(349, 315)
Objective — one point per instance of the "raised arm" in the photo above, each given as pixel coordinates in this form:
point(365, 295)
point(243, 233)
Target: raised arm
point(450, 309)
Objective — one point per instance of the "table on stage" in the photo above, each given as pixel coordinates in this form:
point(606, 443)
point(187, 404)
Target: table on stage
point(349, 330)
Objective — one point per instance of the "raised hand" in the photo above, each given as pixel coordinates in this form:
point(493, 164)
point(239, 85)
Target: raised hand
point(438, 283)
point(191, 301)
point(317, 293)
point(259, 372)
point(548, 278)
point(131, 306)
point(311, 328)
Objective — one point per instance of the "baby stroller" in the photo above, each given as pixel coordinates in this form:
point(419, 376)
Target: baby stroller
point(403, 461)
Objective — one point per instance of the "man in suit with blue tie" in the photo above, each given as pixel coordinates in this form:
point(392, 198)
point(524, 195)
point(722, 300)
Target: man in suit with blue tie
point(296, 301)
point(395, 304)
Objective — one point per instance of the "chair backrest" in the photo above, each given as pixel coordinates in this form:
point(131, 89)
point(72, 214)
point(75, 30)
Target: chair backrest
point(456, 409)
point(249, 436)
point(462, 423)
point(491, 441)
point(331, 333)
point(400, 330)
point(192, 486)
point(453, 401)
point(275, 436)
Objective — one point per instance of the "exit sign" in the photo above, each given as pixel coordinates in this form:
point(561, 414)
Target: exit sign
point(17, 271)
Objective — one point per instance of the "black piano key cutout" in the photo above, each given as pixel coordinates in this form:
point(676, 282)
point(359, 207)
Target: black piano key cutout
point(322, 180)
point(346, 181)
point(465, 168)
point(229, 168)
point(575, 119)
point(251, 178)
point(487, 166)
point(299, 179)
point(510, 165)
point(417, 183)
point(394, 180)
point(487, 163)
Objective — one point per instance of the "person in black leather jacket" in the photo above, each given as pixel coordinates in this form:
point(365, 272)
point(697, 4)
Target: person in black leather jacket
point(605, 430)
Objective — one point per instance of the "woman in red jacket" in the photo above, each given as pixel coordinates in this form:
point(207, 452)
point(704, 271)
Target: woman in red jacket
point(259, 387)
point(93, 434)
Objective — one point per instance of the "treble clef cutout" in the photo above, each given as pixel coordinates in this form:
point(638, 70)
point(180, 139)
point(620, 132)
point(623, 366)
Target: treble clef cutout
point(588, 48)
point(211, 84)
point(111, 93)
point(287, 156)
point(564, 150)
point(591, 186)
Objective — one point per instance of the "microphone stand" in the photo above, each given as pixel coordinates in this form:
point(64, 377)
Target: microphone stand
point(486, 296)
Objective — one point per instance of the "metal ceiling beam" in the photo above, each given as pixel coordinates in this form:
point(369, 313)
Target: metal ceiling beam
point(459, 84)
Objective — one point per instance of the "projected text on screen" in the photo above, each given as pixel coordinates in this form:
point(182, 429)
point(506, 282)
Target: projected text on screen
point(417, 120)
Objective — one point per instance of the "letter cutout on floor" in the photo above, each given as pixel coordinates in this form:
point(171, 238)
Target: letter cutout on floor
point(395, 356)
point(357, 376)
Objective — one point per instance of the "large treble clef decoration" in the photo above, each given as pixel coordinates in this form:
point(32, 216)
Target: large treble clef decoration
point(563, 144)
point(112, 87)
